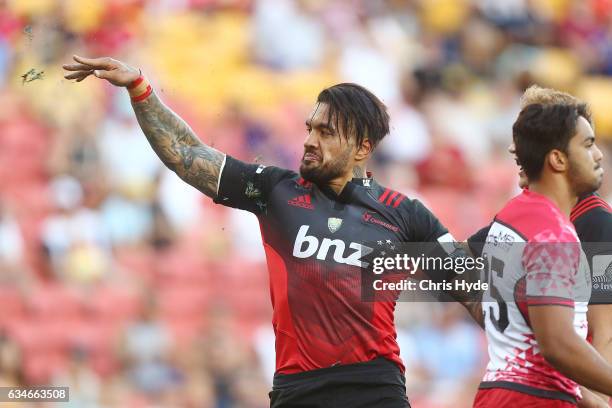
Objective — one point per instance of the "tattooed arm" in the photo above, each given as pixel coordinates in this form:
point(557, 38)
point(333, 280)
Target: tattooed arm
point(171, 138)
point(178, 146)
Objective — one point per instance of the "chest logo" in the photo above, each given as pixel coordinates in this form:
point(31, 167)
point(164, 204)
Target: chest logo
point(334, 224)
point(369, 218)
point(302, 201)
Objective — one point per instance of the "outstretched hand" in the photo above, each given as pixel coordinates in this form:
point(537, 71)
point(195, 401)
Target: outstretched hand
point(115, 72)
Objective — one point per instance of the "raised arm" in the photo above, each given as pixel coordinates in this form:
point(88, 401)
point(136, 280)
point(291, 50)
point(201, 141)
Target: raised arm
point(171, 138)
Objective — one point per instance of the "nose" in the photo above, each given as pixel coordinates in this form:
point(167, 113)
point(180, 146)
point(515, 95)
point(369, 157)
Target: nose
point(312, 140)
point(512, 148)
point(597, 154)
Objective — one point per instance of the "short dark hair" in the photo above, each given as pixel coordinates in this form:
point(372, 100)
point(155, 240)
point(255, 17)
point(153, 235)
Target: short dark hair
point(355, 109)
point(541, 128)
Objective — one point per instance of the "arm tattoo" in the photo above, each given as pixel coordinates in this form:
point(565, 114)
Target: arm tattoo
point(178, 146)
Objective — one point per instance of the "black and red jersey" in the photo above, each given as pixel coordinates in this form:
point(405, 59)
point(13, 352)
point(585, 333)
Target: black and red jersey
point(592, 218)
point(314, 242)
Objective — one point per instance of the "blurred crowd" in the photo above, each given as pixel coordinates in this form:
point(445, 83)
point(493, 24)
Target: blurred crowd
point(133, 289)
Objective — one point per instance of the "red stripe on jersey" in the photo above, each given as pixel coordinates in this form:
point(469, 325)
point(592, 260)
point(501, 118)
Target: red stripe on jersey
point(307, 199)
point(583, 203)
point(399, 200)
point(583, 210)
point(383, 196)
point(301, 199)
point(300, 181)
point(605, 204)
point(395, 193)
point(549, 300)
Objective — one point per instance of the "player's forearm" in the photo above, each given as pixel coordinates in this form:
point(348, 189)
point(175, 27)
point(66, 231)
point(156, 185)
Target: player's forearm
point(600, 325)
point(603, 344)
point(576, 359)
point(591, 399)
point(599, 317)
point(178, 146)
point(475, 310)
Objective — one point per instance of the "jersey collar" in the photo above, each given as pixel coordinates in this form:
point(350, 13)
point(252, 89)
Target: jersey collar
point(366, 182)
point(347, 192)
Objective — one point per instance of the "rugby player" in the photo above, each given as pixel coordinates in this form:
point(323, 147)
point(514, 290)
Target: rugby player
point(332, 349)
point(534, 316)
point(592, 219)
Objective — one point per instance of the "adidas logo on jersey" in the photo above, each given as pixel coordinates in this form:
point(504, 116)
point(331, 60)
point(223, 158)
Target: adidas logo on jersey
point(302, 201)
point(307, 246)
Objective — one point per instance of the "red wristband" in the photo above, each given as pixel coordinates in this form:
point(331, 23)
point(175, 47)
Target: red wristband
point(139, 89)
point(136, 82)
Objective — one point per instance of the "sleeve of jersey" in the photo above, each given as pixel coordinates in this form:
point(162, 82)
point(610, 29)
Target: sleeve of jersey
point(476, 242)
point(551, 267)
point(247, 186)
point(436, 241)
point(424, 226)
point(596, 235)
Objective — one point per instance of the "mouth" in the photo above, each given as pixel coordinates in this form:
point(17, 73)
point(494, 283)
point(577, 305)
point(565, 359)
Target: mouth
point(310, 157)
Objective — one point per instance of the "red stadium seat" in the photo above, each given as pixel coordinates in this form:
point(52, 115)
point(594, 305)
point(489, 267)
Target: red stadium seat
point(113, 303)
point(55, 302)
point(185, 330)
point(40, 368)
point(182, 301)
point(140, 262)
point(11, 305)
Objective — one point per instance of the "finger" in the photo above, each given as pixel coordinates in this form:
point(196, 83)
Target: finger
point(77, 75)
point(103, 74)
point(101, 63)
point(76, 67)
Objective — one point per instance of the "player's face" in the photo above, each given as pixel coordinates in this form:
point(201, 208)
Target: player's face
point(523, 182)
point(328, 155)
point(585, 169)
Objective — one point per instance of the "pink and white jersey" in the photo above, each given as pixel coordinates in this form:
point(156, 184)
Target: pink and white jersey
point(534, 258)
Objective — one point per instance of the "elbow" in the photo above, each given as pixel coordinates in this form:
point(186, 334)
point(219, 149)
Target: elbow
point(602, 338)
point(553, 348)
point(552, 354)
point(557, 352)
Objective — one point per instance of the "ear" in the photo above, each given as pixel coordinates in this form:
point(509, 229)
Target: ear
point(364, 150)
point(558, 161)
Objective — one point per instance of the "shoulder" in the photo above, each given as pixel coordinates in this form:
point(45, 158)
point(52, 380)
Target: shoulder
point(594, 225)
point(388, 197)
point(276, 174)
point(590, 204)
point(231, 164)
point(592, 217)
point(422, 225)
point(536, 218)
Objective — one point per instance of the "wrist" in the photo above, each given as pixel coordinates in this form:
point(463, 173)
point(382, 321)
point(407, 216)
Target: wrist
point(139, 89)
